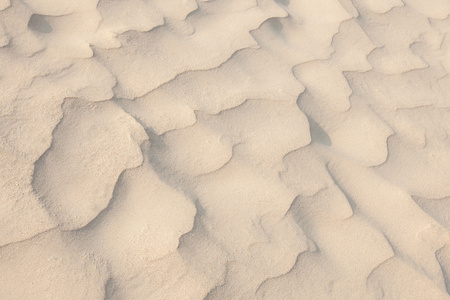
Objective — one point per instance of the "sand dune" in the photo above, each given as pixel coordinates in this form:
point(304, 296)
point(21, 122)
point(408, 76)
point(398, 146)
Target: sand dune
point(225, 149)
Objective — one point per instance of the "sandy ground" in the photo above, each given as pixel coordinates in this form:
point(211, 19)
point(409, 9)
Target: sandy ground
point(224, 149)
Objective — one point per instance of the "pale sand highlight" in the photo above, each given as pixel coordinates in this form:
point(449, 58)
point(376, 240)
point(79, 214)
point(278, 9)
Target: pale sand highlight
point(225, 149)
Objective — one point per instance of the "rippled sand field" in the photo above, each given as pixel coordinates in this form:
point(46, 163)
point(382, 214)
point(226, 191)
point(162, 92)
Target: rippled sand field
point(224, 149)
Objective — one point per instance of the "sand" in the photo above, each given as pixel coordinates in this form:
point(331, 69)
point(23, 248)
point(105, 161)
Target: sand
point(224, 149)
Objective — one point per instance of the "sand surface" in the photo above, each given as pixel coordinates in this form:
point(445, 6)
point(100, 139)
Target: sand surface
point(224, 149)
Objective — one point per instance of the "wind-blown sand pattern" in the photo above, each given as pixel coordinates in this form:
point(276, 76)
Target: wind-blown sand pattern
point(225, 149)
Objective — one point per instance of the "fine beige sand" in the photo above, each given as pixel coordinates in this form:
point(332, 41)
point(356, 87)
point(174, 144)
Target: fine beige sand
point(224, 149)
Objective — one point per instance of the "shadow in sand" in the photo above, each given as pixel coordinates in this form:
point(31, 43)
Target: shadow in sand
point(39, 24)
point(318, 135)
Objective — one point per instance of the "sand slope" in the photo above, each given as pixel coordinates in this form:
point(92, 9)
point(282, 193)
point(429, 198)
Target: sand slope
point(224, 149)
